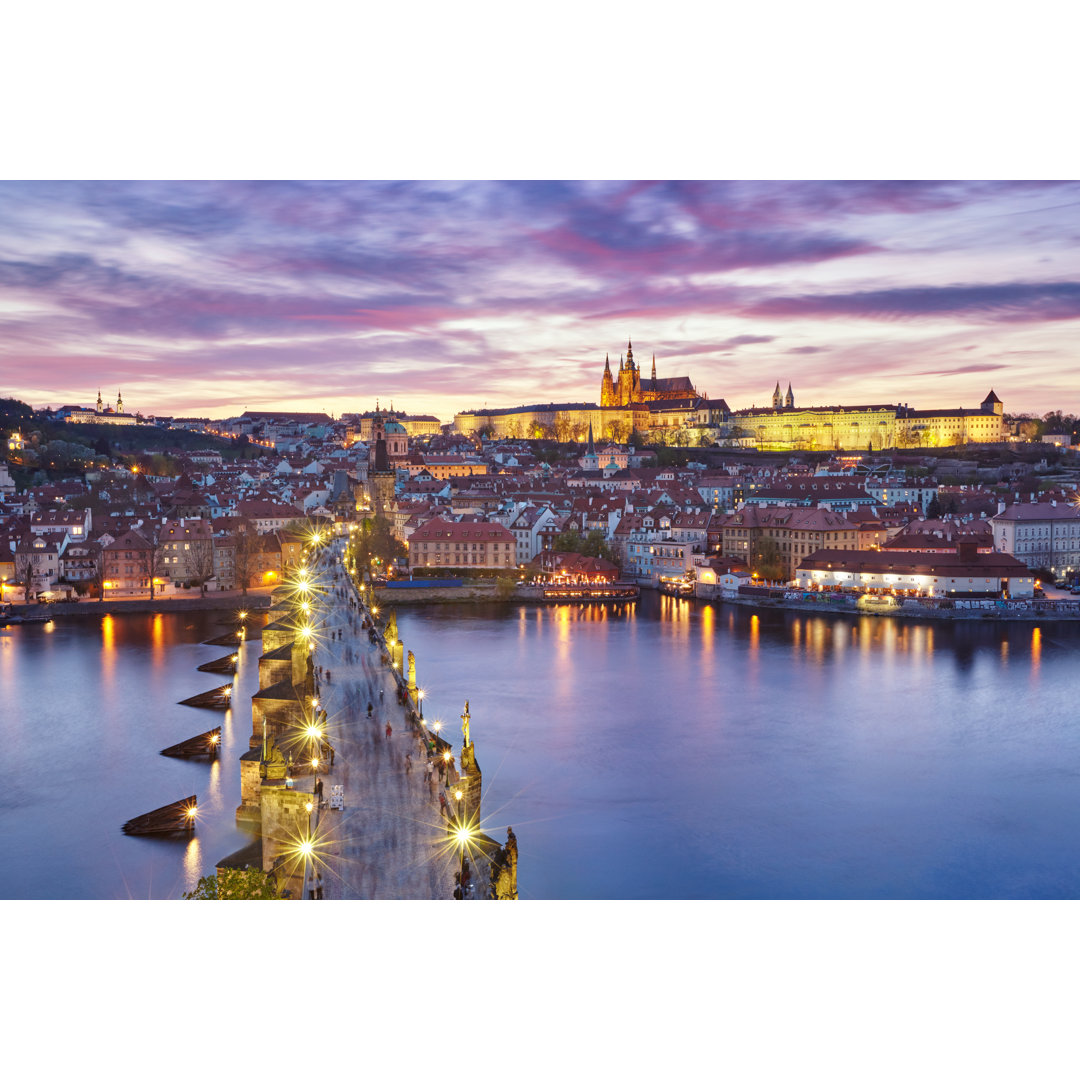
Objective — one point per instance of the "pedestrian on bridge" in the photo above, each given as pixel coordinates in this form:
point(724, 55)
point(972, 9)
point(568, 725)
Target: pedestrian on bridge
point(389, 729)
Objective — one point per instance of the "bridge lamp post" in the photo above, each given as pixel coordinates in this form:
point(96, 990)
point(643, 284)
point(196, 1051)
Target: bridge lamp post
point(307, 849)
point(463, 833)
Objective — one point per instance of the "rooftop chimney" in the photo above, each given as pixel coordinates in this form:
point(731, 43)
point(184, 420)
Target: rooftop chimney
point(967, 550)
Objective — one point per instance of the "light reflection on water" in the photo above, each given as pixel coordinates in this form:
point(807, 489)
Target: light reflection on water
point(88, 706)
point(791, 756)
point(663, 749)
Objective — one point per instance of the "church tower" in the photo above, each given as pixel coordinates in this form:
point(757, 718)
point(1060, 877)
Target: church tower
point(652, 385)
point(634, 390)
point(381, 474)
point(100, 403)
point(607, 386)
point(777, 401)
point(119, 402)
point(789, 399)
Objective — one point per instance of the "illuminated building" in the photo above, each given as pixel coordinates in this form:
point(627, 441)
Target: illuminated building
point(462, 543)
point(1041, 535)
point(102, 414)
point(628, 388)
point(963, 572)
point(784, 426)
point(382, 473)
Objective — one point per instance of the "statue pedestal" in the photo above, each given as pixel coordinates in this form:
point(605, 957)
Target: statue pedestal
point(471, 782)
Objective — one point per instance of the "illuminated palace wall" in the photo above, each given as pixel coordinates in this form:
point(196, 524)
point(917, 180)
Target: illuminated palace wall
point(565, 422)
point(841, 428)
point(877, 427)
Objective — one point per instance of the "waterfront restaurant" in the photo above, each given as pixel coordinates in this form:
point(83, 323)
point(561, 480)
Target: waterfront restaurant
point(562, 567)
point(965, 572)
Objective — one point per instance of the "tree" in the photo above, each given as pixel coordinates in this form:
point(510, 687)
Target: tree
point(593, 543)
point(97, 570)
point(201, 563)
point(228, 884)
point(246, 553)
point(767, 560)
point(563, 427)
point(375, 540)
point(24, 573)
point(153, 562)
point(567, 540)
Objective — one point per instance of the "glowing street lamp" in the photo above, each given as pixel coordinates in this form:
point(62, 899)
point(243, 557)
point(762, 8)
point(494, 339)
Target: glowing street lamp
point(420, 701)
point(463, 833)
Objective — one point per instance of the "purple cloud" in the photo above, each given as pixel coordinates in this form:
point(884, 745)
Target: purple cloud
point(1011, 302)
point(514, 291)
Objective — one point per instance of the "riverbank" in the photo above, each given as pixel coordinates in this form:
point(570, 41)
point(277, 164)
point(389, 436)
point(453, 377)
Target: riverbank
point(159, 605)
point(1006, 611)
point(480, 592)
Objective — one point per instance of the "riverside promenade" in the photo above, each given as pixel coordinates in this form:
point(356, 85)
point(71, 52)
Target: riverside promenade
point(390, 841)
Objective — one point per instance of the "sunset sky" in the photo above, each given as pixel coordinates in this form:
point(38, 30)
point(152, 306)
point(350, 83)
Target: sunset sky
point(211, 298)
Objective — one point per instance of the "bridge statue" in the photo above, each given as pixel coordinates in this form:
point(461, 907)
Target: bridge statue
point(465, 724)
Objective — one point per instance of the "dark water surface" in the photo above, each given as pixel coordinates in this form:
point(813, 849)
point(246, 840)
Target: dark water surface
point(667, 750)
point(87, 706)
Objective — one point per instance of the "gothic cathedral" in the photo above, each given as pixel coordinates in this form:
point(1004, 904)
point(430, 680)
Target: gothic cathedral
point(629, 389)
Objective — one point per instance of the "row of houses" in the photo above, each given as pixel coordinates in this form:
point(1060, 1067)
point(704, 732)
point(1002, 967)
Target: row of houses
point(163, 556)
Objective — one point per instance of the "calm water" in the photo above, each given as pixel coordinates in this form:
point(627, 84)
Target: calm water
point(672, 750)
point(87, 707)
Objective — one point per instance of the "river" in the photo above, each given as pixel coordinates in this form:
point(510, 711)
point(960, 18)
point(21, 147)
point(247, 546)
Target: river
point(664, 750)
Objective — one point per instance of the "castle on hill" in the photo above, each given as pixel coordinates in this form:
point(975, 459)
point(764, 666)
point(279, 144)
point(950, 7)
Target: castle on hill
point(629, 389)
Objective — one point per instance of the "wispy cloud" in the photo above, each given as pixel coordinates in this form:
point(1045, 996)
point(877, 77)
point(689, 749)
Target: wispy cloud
point(444, 295)
point(1007, 302)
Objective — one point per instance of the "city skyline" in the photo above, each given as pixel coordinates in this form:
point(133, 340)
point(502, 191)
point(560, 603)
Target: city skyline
point(211, 298)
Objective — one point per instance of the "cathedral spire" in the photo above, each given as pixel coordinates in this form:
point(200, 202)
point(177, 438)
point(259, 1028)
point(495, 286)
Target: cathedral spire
point(654, 371)
point(590, 450)
point(607, 364)
point(630, 355)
